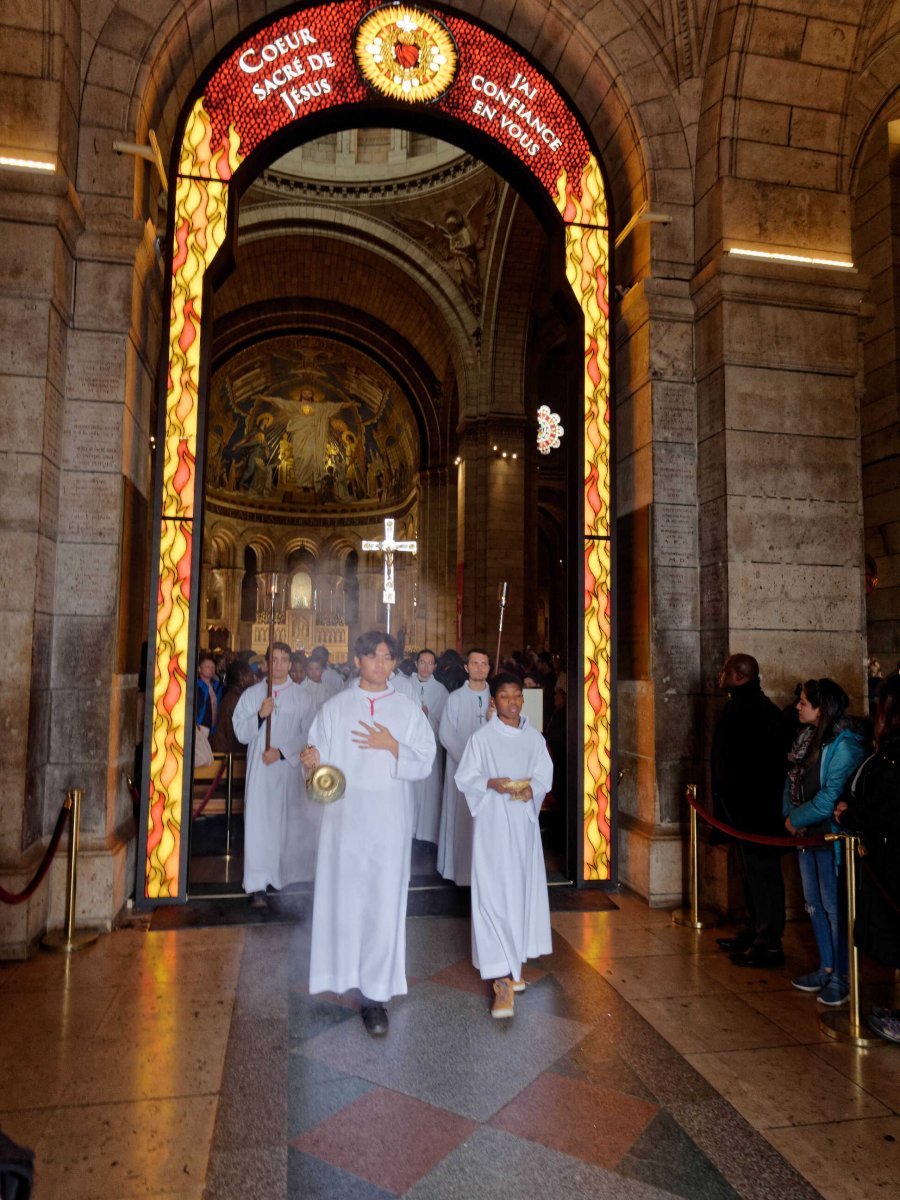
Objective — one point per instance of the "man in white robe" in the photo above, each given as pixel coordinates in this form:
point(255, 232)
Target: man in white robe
point(314, 685)
point(467, 709)
point(505, 774)
point(382, 742)
point(432, 696)
point(333, 682)
point(278, 838)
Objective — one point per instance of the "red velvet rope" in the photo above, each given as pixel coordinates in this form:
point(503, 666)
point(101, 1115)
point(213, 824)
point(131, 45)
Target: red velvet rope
point(209, 791)
point(757, 838)
point(30, 888)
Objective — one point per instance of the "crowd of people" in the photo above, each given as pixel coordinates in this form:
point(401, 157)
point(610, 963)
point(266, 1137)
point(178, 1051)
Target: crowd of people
point(805, 771)
point(434, 748)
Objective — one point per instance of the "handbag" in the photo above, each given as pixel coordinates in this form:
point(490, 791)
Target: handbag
point(203, 755)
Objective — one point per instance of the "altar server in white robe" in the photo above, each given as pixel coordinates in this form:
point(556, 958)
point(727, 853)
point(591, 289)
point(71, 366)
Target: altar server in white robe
point(467, 709)
point(280, 826)
point(382, 742)
point(432, 696)
point(505, 773)
point(333, 682)
point(314, 684)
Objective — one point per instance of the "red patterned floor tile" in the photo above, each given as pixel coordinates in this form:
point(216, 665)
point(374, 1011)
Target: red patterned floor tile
point(577, 1118)
point(463, 976)
point(387, 1138)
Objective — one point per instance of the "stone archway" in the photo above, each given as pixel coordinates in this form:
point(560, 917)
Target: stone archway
point(325, 63)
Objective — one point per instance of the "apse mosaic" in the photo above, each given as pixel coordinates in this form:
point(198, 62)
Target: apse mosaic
point(305, 423)
point(304, 62)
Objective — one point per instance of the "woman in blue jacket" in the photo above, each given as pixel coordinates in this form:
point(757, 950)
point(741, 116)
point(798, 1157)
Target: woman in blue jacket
point(825, 754)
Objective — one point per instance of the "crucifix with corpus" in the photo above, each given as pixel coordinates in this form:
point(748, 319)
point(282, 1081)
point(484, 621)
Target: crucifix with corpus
point(388, 548)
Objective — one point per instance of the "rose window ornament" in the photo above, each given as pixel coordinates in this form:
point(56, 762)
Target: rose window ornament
point(549, 430)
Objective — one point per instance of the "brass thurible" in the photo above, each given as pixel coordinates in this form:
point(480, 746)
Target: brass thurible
point(326, 784)
point(66, 940)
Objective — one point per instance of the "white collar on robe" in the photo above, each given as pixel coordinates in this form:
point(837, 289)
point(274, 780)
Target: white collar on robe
point(509, 730)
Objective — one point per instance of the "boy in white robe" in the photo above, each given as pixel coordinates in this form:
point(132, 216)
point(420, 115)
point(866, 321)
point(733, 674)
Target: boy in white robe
point(505, 773)
point(382, 742)
point(278, 837)
point(467, 709)
point(433, 697)
point(314, 684)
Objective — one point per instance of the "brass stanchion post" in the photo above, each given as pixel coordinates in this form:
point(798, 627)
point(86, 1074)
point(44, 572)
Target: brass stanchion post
point(694, 917)
point(66, 941)
point(845, 1025)
point(229, 801)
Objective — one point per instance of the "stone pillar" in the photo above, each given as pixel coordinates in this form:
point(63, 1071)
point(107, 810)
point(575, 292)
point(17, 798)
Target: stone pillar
point(875, 223)
point(657, 594)
point(102, 555)
point(780, 523)
point(493, 535)
point(40, 219)
point(232, 578)
point(436, 617)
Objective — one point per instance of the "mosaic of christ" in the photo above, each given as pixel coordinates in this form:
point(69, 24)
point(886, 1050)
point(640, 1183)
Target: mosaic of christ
point(304, 420)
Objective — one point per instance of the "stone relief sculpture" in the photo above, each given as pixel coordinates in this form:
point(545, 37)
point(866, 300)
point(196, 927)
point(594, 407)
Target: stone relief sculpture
point(458, 240)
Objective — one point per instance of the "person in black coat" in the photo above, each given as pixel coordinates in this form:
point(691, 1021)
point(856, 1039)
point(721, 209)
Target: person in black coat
point(872, 808)
point(748, 766)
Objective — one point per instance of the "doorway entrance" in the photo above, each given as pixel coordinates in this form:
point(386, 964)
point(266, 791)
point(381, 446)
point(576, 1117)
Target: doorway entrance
point(307, 74)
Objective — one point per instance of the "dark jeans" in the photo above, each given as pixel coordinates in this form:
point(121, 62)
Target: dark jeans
point(764, 894)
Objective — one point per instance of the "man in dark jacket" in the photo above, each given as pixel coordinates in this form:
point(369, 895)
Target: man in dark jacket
point(748, 765)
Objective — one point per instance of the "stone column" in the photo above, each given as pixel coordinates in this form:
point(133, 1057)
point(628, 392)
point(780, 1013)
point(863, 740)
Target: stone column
point(40, 219)
point(780, 522)
point(102, 555)
point(232, 578)
point(657, 582)
point(493, 535)
point(436, 617)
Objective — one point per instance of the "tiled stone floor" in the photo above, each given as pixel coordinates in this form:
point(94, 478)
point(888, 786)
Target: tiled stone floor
point(194, 1064)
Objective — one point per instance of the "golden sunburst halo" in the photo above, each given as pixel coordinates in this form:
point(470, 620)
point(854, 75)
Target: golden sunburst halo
point(405, 53)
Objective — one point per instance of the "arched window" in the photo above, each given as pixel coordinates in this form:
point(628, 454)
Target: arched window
point(301, 590)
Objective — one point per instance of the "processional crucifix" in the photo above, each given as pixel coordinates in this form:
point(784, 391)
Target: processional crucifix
point(388, 548)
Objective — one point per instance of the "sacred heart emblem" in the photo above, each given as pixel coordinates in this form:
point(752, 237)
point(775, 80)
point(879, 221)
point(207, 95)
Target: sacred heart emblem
point(407, 55)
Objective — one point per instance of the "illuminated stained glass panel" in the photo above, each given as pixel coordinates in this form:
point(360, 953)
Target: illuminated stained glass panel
point(298, 65)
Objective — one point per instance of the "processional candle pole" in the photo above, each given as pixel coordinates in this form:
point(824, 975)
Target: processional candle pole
point(273, 592)
point(501, 599)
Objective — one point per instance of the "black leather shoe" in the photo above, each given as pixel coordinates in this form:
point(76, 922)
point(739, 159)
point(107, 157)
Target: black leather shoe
point(758, 956)
point(375, 1019)
point(735, 945)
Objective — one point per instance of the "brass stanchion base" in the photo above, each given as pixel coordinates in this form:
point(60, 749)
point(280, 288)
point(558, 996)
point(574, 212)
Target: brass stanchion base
point(837, 1025)
point(57, 942)
point(706, 918)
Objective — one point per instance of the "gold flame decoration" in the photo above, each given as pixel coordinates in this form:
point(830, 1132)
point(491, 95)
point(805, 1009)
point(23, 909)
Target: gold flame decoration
point(201, 213)
point(583, 206)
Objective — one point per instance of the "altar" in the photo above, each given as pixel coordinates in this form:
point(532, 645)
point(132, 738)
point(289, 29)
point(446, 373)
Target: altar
point(301, 629)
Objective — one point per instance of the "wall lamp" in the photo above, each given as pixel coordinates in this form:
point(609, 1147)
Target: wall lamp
point(803, 260)
point(27, 164)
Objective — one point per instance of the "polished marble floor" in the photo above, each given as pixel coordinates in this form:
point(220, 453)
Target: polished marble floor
point(640, 1064)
